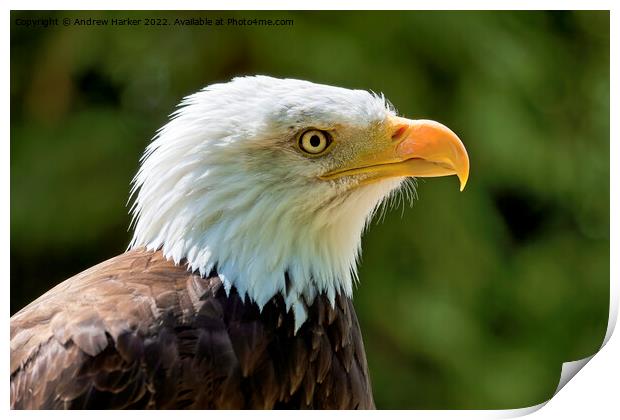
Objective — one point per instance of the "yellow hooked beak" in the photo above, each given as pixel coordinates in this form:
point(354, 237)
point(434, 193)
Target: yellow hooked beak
point(417, 148)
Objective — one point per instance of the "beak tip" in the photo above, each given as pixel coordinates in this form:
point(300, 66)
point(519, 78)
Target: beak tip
point(463, 170)
point(463, 180)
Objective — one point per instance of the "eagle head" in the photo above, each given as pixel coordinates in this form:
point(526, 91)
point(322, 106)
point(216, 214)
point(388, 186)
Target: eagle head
point(270, 183)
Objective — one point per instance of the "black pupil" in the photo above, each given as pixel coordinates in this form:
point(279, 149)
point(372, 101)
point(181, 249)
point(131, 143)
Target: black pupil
point(315, 141)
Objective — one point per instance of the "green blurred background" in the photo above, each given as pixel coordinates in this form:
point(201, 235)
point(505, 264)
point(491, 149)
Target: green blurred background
point(467, 300)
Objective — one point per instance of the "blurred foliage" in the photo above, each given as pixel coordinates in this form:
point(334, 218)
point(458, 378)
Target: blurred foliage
point(467, 300)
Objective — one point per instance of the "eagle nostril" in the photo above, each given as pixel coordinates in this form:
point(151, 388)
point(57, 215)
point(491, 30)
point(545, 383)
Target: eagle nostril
point(399, 132)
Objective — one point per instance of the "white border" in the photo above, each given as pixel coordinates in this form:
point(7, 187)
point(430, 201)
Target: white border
point(312, 5)
point(594, 391)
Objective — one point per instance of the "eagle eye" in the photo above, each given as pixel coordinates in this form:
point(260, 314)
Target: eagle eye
point(314, 141)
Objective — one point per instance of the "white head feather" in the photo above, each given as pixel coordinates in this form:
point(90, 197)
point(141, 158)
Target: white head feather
point(223, 187)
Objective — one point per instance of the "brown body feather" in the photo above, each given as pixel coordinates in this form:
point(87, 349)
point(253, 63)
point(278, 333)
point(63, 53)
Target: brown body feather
point(137, 331)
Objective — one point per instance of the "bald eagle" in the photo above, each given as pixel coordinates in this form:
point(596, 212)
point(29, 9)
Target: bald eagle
point(235, 292)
